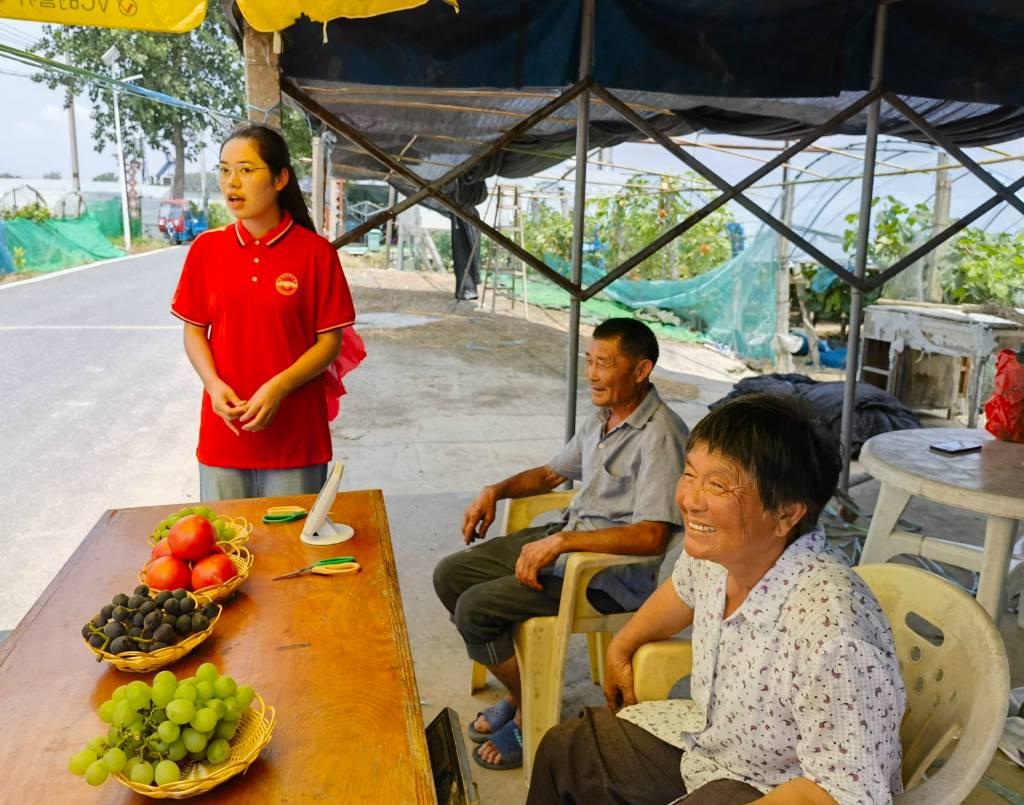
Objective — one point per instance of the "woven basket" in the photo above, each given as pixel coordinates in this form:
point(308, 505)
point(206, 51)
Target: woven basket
point(242, 558)
point(142, 662)
point(239, 527)
point(255, 728)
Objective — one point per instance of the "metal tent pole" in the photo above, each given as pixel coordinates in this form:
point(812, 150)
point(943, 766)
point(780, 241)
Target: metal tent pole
point(860, 264)
point(582, 129)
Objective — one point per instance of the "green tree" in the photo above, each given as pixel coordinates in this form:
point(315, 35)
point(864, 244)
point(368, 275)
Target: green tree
point(203, 67)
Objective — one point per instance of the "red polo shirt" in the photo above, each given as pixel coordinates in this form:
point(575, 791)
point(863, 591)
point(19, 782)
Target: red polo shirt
point(264, 301)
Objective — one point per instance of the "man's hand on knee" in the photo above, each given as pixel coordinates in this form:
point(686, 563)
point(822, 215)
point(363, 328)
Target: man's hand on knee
point(537, 555)
point(479, 515)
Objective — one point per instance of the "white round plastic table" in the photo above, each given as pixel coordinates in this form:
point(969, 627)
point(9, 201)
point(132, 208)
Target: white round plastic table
point(990, 482)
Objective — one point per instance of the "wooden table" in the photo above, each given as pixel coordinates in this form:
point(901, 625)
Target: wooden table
point(331, 654)
point(990, 482)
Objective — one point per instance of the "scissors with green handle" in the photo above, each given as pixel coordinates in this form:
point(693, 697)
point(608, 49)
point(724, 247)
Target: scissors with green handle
point(284, 514)
point(326, 567)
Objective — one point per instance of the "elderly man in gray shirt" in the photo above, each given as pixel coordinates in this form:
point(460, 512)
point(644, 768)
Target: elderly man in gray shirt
point(629, 455)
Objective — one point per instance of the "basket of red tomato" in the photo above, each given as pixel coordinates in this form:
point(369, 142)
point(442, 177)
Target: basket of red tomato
point(192, 558)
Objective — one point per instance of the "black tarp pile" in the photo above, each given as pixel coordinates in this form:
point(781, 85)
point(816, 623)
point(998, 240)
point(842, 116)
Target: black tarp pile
point(874, 410)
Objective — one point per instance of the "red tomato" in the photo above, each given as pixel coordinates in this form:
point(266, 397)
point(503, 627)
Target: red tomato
point(168, 573)
point(192, 537)
point(216, 568)
point(162, 548)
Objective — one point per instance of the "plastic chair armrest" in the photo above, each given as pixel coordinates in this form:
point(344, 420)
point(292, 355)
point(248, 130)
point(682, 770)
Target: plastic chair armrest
point(658, 666)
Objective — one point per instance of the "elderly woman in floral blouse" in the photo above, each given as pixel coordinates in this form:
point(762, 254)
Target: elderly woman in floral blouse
point(796, 691)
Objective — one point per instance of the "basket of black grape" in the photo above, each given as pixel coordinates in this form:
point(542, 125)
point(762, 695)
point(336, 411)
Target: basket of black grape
point(148, 630)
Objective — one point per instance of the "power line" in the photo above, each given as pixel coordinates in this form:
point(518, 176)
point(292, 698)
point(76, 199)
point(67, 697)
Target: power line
point(33, 60)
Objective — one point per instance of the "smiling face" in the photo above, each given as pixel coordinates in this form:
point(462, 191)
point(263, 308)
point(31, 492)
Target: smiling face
point(250, 189)
point(725, 518)
point(615, 379)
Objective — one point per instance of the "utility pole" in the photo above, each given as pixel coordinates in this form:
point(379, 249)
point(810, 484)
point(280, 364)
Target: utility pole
point(319, 183)
point(389, 226)
point(783, 357)
point(76, 182)
point(110, 59)
point(202, 179)
point(940, 220)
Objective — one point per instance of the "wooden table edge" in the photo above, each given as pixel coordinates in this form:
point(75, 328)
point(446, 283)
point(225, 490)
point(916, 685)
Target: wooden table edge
point(414, 712)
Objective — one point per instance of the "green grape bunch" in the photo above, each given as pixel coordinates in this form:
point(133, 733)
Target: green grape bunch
point(157, 731)
point(222, 526)
point(147, 622)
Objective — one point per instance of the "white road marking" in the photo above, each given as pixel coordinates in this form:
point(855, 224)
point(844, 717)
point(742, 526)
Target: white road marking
point(15, 327)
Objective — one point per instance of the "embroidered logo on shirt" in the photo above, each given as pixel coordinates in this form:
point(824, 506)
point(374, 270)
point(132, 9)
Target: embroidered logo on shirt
point(286, 284)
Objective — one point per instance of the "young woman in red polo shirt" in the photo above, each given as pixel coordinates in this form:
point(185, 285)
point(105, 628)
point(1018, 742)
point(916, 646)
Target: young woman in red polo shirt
point(264, 303)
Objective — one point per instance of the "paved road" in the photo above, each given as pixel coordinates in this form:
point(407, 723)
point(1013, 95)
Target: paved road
point(98, 410)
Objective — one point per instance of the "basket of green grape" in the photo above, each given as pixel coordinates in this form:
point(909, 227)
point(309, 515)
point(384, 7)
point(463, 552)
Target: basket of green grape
point(235, 530)
point(176, 739)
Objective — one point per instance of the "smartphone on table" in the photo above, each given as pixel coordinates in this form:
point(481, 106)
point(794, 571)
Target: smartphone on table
point(955, 447)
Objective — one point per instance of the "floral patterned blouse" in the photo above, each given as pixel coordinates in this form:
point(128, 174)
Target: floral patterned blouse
point(801, 680)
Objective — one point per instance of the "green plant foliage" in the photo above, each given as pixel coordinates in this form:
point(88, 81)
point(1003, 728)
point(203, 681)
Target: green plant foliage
point(19, 258)
point(295, 128)
point(30, 212)
point(986, 267)
point(648, 207)
point(643, 210)
point(897, 227)
point(217, 215)
point(547, 231)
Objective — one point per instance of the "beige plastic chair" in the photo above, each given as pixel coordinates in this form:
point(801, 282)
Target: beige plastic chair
point(957, 691)
point(542, 644)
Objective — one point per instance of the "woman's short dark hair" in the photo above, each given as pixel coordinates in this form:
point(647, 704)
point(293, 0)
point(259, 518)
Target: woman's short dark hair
point(273, 149)
point(777, 440)
point(636, 339)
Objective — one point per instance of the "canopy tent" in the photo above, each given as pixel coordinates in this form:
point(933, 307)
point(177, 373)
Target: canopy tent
point(437, 104)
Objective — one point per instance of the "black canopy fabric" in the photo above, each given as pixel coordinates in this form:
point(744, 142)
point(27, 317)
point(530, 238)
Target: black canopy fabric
point(451, 83)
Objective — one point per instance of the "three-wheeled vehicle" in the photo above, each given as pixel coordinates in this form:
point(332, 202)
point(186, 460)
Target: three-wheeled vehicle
point(181, 220)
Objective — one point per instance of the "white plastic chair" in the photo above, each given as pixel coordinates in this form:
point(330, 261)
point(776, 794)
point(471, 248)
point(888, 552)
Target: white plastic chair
point(954, 668)
point(542, 644)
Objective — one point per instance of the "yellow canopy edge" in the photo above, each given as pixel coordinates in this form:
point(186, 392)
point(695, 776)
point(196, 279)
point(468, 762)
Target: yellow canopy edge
point(164, 16)
point(181, 16)
point(276, 15)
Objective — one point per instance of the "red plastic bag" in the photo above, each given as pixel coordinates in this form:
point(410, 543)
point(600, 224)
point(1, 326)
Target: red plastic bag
point(1005, 411)
point(352, 353)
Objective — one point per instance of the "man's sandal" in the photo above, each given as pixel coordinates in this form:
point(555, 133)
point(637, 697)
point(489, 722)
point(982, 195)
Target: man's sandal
point(509, 741)
point(497, 716)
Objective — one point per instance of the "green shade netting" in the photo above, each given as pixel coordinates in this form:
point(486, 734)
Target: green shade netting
point(732, 306)
point(56, 244)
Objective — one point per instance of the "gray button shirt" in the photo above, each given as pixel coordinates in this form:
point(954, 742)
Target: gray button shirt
point(629, 475)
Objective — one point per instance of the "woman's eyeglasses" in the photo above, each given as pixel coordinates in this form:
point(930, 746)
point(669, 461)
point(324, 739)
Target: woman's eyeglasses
point(243, 172)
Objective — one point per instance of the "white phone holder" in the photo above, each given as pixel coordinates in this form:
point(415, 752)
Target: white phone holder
point(318, 528)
